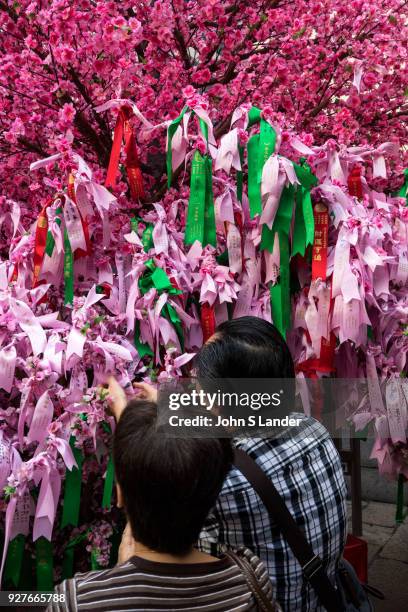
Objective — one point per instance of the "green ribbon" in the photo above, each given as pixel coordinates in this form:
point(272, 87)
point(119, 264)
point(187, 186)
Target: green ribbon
point(108, 486)
point(160, 280)
point(134, 224)
point(147, 237)
point(94, 559)
point(170, 313)
point(27, 575)
point(399, 514)
point(254, 116)
point(68, 560)
point(72, 490)
point(142, 349)
point(260, 147)
point(210, 234)
point(254, 188)
point(200, 222)
point(14, 561)
point(196, 204)
point(280, 292)
point(403, 192)
point(44, 565)
point(303, 234)
point(170, 133)
point(267, 143)
point(157, 278)
point(68, 271)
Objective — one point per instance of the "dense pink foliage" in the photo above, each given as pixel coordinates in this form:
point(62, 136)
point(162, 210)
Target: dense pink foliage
point(323, 68)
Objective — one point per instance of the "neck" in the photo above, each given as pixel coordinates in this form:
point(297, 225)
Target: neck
point(192, 556)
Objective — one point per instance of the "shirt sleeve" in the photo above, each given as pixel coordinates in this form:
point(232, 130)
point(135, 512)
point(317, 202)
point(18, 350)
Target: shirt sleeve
point(64, 598)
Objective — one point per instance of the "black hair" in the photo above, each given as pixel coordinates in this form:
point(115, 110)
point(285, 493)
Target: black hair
point(169, 485)
point(248, 347)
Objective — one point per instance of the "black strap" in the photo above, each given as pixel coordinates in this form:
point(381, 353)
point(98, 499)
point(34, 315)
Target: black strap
point(311, 564)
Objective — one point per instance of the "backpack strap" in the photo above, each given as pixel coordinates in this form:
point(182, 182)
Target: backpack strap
point(311, 564)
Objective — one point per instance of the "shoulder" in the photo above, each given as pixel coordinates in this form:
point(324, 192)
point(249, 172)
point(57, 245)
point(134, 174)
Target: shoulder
point(74, 587)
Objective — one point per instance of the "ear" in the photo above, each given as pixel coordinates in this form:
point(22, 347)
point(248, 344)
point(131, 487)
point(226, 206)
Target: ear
point(119, 495)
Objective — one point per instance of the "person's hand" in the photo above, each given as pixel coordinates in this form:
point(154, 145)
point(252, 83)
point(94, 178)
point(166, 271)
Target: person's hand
point(116, 397)
point(145, 391)
point(127, 546)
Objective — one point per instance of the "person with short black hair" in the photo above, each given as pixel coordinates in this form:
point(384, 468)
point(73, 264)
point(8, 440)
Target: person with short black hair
point(302, 463)
point(167, 487)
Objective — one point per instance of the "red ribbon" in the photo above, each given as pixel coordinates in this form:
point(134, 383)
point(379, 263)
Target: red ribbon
point(354, 183)
point(39, 243)
point(325, 363)
point(321, 235)
point(124, 133)
point(207, 321)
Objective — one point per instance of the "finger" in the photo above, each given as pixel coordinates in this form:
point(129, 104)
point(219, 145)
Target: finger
point(142, 385)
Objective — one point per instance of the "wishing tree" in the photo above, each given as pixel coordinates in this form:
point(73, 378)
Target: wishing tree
point(165, 166)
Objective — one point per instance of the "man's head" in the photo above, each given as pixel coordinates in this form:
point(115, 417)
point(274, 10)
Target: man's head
point(247, 347)
point(167, 485)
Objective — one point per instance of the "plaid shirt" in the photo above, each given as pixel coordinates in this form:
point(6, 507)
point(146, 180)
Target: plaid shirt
point(306, 470)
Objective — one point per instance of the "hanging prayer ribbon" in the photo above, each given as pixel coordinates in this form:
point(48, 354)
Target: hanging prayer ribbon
point(260, 148)
point(210, 236)
point(403, 192)
point(124, 133)
point(169, 154)
point(254, 186)
point(94, 559)
point(303, 233)
point(68, 271)
point(85, 229)
point(72, 491)
point(142, 349)
point(50, 244)
point(108, 486)
point(14, 561)
point(170, 313)
point(44, 565)
point(319, 251)
point(207, 321)
point(197, 202)
point(354, 183)
point(200, 222)
point(280, 291)
point(69, 550)
point(40, 242)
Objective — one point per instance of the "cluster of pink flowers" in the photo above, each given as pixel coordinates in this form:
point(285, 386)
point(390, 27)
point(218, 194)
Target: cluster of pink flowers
point(325, 67)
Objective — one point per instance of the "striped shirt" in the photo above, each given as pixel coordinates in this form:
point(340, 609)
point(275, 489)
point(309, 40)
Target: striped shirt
point(306, 470)
point(139, 584)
